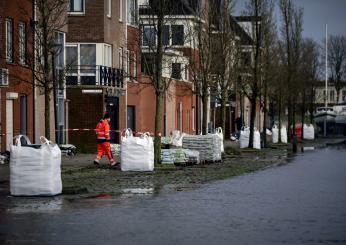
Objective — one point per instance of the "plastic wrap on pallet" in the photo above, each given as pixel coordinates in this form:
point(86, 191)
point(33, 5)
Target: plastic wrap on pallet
point(137, 153)
point(192, 156)
point(208, 146)
point(167, 156)
point(35, 169)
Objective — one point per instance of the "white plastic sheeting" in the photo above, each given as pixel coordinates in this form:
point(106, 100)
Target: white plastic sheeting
point(275, 134)
point(35, 171)
point(208, 146)
point(309, 132)
point(137, 153)
point(245, 137)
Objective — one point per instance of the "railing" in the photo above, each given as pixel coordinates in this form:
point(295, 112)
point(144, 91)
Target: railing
point(95, 75)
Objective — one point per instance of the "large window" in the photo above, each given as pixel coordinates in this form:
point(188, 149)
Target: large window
point(81, 64)
point(9, 40)
point(107, 55)
point(77, 6)
point(177, 34)
point(132, 12)
point(22, 43)
point(176, 70)
point(149, 37)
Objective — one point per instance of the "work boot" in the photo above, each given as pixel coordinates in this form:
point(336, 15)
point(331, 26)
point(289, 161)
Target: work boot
point(96, 162)
point(113, 163)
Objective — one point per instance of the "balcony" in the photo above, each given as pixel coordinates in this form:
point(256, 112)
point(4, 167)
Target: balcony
point(95, 76)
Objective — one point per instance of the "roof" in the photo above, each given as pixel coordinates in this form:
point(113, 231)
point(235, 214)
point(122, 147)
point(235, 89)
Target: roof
point(238, 30)
point(176, 7)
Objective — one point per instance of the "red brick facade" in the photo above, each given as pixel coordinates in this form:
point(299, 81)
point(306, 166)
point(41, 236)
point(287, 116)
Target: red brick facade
point(20, 76)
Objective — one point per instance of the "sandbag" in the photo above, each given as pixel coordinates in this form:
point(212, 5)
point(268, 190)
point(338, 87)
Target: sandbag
point(177, 138)
point(137, 153)
point(219, 133)
point(208, 146)
point(309, 132)
point(257, 140)
point(244, 138)
point(35, 169)
point(275, 134)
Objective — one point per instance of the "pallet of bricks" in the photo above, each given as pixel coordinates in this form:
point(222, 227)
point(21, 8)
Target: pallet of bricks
point(208, 146)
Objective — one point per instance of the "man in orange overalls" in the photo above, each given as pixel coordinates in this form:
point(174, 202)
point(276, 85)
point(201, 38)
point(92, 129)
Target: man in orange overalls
point(103, 141)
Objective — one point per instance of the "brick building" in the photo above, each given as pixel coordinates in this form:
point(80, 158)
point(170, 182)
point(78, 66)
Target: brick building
point(95, 61)
point(16, 77)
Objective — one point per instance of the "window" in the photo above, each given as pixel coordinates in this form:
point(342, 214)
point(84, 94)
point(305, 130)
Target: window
point(9, 40)
point(120, 10)
point(121, 57)
point(81, 64)
point(147, 66)
point(344, 95)
point(165, 35)
point(109, 8)
point(176, 70)
point(149, 38)
point(331, 96)
point(22, 43)
point(126, 63)
point(76, 6)
point(134, 65)
point(108, 55)
point(22, 109)
point(59, 57)
point(132, 16)
point(177, 34)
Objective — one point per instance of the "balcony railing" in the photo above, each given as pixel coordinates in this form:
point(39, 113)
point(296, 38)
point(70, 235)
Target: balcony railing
point(95, 76)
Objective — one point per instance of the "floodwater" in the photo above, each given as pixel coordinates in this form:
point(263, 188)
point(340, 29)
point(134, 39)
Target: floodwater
point(301, 202)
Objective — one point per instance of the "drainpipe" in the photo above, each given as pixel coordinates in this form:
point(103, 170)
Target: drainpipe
point(33, 74)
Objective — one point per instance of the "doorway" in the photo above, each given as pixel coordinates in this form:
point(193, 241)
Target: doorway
point(131, 117)
point(113, 110)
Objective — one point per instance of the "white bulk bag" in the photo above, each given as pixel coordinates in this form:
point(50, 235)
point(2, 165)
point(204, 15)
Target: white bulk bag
point(309, 132)
point(283, 134)
point(137, 153)
point(244, 138)
point(257, 140)
point(177, 138)
point(220, 135)
point(35, 171)
point(275, 134)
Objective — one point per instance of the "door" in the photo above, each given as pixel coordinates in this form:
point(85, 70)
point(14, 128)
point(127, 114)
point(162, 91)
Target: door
point(9, 123)
point(113, 110)
point(131, 117)
point(22, 109)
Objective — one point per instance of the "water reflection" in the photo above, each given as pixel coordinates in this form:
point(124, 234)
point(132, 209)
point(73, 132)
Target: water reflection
point(35, 205)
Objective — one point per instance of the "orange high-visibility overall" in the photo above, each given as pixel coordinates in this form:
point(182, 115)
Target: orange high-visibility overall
point(103, 140)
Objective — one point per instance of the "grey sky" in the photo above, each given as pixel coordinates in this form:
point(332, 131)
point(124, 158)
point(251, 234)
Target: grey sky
point(317, 13)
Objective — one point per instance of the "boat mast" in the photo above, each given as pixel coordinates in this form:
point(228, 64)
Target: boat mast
point(326, 84)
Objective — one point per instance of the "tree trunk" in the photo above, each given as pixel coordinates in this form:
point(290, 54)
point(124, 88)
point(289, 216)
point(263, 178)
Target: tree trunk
point(252, 119)
point(265, 116)
point(205, 114)
point(224, 97)
point(47, 111)
point(279, 117)
point(157, 140)
point(303, 114)
point(289, 119)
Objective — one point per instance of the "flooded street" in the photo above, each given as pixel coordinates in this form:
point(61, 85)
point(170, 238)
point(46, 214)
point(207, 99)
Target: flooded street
point(301, 202)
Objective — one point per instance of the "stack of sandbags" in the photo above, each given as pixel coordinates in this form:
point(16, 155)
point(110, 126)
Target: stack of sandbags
point(137, 153)
point(275, 134)
point(35, 169)
point(245, 138)
point(179, 156)
point(192, 156)
point(167, 156)
point(309, 132)
point(208, 146)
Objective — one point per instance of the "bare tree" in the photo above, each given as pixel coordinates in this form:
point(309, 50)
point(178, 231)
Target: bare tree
point(51, 17)
point(337, 60)
point(258, 9)
point(225, 54)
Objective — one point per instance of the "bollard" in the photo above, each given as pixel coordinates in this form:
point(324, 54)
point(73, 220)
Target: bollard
point(294, 143)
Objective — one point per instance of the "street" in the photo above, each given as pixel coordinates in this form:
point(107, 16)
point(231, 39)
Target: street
point(301, 202)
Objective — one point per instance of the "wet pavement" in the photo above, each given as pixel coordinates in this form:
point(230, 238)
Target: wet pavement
point(302, 201)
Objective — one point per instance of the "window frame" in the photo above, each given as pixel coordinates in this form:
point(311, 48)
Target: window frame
point(120, 10)
point(109, 8)
point(73, 12)
point(9, 46)
point(149, 42)
point(22, 43)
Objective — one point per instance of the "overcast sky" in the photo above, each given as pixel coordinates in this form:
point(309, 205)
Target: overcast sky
point(317, 13)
